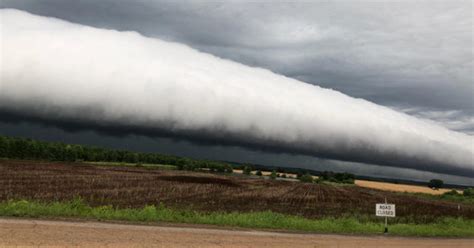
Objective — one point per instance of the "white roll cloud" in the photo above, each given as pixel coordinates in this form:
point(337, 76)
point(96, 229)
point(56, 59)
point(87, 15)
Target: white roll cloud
point(58, 70)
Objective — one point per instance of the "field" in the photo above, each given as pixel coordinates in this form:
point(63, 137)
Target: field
point(401, 187)
point(379, 185)
point(136, 187)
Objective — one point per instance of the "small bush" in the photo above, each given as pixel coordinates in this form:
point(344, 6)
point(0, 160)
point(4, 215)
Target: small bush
point(247, 170)
point(259, 173)
point(469, 192)
point(452, 192)
point(228, 169)
point(306, 178)
point(273, 175)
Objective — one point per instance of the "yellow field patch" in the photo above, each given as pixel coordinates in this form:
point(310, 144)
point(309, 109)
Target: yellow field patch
point(400, 187)
point(378, 185)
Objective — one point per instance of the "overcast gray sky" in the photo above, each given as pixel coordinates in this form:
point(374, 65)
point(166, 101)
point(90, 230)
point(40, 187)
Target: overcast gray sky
point(412, 56)
point(415, 56)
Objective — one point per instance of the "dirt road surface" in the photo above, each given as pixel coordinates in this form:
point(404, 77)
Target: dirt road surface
point(41, 233)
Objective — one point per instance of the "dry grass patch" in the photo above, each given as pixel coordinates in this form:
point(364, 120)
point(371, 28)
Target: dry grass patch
point(401, 187)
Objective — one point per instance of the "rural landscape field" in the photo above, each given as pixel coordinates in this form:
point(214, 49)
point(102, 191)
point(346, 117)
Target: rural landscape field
point(158, 194)
point(52, 180)
point(135, 187)
point(236, 124)
point(29, 187)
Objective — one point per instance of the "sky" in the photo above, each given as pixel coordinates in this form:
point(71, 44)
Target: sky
point(413, 57)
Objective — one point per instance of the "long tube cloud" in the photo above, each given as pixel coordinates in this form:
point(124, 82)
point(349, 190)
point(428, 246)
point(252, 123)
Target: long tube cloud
point(59, 71)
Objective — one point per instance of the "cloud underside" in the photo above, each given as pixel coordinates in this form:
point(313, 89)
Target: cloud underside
point(413, 55)
point(78, 77)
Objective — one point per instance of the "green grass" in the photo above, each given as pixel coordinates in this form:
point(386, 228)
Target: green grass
point(456, 198)
point(447, 227)
point(337, 184)
point(148, 166)
point(443, 197)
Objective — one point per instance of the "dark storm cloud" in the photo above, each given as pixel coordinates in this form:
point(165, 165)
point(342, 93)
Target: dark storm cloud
point(403, 54)
point(81, 77)
point(182, 148)
point(204, 138)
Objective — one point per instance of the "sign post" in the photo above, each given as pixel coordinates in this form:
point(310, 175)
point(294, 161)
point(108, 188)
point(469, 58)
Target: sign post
point(385, 210)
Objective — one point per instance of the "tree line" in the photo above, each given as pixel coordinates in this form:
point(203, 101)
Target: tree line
point(22, 148)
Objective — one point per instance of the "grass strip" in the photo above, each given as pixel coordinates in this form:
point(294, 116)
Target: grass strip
point(446, 227)
point(443, 197)
point(150, 166)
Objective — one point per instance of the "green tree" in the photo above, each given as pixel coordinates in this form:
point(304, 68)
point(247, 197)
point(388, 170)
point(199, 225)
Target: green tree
point(336, 177)
point(247, 170)
point(131, 157)
point(259, 173)
point(436, 183)
point(273, 175)
point(4, 147)
point(229, 169)
point(306, 178)
point(469, 192)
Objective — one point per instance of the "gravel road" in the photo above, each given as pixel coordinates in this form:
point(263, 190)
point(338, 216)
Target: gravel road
point(42, 233)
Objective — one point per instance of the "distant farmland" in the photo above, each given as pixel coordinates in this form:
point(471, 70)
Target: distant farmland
point(386, 186)
point(401, 187)
point(137, 187)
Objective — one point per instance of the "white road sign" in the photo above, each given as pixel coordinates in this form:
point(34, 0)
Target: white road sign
point(385, 210)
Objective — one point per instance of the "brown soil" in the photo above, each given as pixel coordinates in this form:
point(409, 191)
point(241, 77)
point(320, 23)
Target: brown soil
point(394, 187)
point(137, 187)
point(15, 233)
